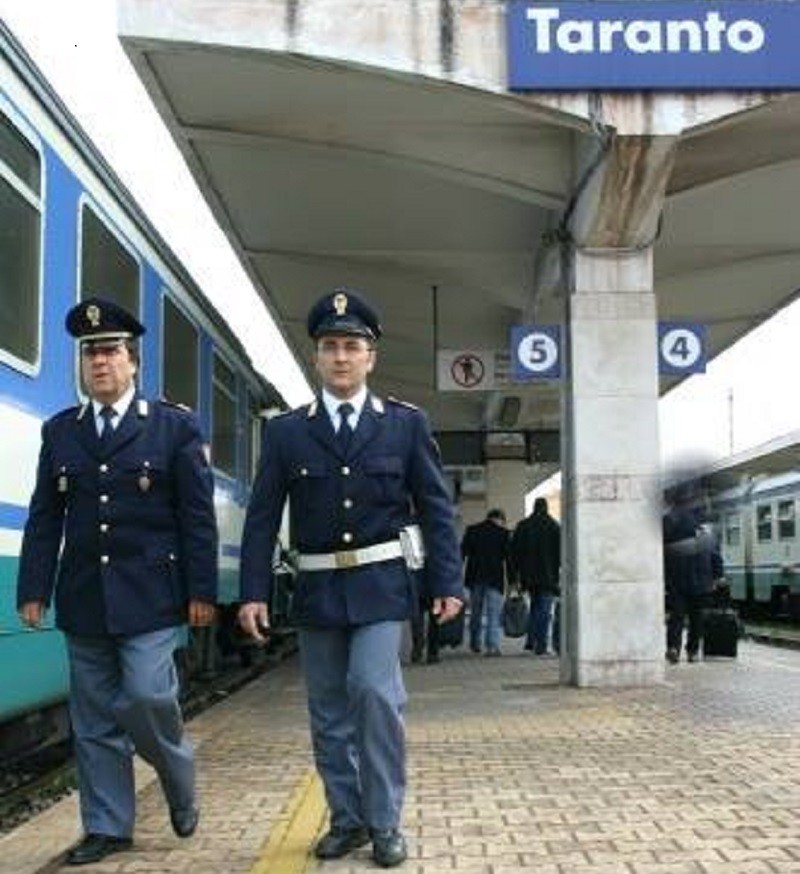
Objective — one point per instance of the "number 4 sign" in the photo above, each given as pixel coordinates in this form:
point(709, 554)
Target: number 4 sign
point(681, 348)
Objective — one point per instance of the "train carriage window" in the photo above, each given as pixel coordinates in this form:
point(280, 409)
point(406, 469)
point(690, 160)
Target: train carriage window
point(764, 522)
point(733, 529)
point(180, 357)
point(223, 441)
point(108, 269)
point(786, 526)
point(20, 241)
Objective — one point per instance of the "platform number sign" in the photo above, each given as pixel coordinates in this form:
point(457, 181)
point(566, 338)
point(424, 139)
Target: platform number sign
point(681, 348)
point(535, 352)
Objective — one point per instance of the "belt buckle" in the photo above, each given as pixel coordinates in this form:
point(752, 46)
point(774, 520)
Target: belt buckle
point(346, 558)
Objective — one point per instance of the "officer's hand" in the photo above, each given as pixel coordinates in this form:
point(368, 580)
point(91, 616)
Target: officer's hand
point(31, 613)
point(201, 613)
point(254, 619)
point(445, 609)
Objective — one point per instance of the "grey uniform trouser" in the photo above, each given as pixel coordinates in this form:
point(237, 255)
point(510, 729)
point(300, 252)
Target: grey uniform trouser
point(124, 698)
point(356, 699)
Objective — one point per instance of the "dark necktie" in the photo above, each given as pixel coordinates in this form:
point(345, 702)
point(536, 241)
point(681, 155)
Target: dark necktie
point(345, 432)
point(107, 414)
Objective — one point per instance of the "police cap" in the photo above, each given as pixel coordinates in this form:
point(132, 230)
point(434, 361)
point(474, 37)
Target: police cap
point(95, 318)
point(343, 311)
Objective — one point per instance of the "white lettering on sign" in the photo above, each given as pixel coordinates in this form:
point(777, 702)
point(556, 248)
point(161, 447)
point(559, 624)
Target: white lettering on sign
point(576, 36)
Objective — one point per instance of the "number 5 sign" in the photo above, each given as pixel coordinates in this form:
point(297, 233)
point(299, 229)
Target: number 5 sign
point(681, 348)
point(535, 352)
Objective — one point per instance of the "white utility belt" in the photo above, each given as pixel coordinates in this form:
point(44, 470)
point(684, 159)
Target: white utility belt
point(407, 546)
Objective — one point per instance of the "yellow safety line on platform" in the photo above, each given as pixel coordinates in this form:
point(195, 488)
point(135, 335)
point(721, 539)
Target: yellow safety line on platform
point(286, 851)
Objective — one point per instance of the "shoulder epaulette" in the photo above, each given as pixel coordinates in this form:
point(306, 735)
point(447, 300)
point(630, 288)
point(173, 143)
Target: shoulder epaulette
point(401, 403)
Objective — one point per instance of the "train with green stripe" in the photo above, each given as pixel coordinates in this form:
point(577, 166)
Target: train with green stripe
point(70, 229)
point(758, 523)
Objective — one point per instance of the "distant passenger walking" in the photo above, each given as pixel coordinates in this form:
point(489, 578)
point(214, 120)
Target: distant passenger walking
point(536, 555)
point(692, 562)
point(485, 550)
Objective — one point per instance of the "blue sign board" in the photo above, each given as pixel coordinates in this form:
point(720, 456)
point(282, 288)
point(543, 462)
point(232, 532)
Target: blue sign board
point(672, 44)
point(535, 352)
point(681, 348)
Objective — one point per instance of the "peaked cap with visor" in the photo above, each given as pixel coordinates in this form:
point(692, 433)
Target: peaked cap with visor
point(343, 311)
point(96, 319)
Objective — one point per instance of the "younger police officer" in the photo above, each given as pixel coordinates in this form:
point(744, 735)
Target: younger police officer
point(354, 468)
point(127, 484)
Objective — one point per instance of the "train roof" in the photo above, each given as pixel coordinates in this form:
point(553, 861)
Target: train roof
point(22, 63)
point(761, 466)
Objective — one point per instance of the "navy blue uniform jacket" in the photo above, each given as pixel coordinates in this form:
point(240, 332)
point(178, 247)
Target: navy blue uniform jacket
point(136, 516)
point(390, 476)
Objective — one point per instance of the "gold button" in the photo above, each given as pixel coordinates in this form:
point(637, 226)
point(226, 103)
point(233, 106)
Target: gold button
point(345, 471)
point(104, 559)
point(103, 468)
point(104, 527)
point(103, 499)
point(347, 503)
point(347, 537)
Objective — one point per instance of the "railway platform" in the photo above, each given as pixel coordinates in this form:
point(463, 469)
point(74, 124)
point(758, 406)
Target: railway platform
point(508, 772)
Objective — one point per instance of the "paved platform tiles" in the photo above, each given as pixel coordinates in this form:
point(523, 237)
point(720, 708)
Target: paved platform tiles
point(508, 772)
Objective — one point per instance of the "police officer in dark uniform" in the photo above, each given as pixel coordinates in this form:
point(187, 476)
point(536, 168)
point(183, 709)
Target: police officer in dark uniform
point(127, 484)
point(358, 471)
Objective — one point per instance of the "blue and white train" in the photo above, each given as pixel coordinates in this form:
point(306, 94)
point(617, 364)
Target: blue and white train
point(758, 522)
point(69, 229)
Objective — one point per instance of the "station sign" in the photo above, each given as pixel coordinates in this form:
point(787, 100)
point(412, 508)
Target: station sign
point(669, 44)
point(535, 352)
point(472, 369)
point(681, 348)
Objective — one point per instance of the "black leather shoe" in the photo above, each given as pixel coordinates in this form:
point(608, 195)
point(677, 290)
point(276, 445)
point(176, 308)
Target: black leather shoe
point(93, 848)
point(388, 847)
point(184, 822)
point(339, 842)
point(673, 656)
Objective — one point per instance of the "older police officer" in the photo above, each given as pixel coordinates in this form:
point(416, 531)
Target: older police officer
point(357, 470)
point(127, 483)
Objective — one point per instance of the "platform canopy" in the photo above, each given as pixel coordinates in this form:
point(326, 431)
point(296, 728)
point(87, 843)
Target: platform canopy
point(375, 145)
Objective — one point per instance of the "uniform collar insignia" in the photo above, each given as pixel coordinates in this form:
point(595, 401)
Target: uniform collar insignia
point(142, 408)
point(312, 409)
point(82, 411)
point(377, 404)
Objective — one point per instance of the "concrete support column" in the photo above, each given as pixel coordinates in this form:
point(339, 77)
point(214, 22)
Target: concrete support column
point(612, 577)
point(506, 484)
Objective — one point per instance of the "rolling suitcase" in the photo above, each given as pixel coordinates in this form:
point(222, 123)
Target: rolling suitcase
point(720, 632)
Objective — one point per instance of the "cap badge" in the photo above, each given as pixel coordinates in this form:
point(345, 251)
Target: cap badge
point(93, 314)
point(340, 304)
